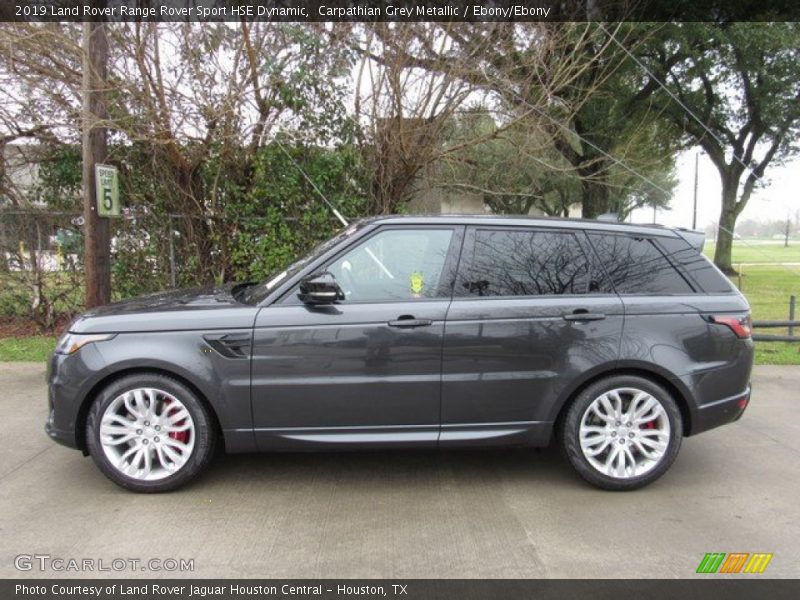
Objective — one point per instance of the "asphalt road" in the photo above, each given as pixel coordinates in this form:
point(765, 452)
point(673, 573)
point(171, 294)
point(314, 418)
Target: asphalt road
point(499, 513)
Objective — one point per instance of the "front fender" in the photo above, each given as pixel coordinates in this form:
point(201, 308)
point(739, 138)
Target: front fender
point(224, 383)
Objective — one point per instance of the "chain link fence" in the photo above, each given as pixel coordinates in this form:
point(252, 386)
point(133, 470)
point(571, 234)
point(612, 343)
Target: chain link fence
point(41, 256)
point(42, 269)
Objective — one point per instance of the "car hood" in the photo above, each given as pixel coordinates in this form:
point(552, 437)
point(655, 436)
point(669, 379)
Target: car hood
point(178, 310)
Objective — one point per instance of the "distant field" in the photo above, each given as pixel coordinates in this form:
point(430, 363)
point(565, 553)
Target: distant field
point(767, 288)
point(760, 251)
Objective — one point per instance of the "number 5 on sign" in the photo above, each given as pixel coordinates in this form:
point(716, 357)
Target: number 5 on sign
point(107, 190)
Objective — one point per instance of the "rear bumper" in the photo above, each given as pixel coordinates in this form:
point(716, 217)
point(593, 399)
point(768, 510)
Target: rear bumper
point(720, 412)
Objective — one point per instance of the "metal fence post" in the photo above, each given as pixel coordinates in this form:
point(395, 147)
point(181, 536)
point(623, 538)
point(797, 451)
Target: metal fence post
point(792, 303)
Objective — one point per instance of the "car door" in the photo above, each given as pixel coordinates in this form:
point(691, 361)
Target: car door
point(526, 321)
point(366, 370)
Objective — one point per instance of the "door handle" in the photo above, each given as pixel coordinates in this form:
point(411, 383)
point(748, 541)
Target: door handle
point(407, 321)
point(582, 314)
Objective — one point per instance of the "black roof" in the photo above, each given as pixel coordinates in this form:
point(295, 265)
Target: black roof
point(522, 220)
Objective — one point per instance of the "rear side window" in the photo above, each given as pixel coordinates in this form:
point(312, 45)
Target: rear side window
point(521, 262)
point(635, 265)
point(697, 266)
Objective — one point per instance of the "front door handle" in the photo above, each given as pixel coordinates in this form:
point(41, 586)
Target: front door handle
point(583, 315)
point(407, 321)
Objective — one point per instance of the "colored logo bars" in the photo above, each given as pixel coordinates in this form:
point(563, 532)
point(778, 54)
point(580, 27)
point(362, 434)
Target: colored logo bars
point(735, 562)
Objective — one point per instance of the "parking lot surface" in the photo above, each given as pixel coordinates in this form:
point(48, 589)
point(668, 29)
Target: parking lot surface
point(409, 514)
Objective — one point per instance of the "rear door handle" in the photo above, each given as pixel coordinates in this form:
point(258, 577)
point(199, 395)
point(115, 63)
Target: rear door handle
point(581, 315)
point(408, 322)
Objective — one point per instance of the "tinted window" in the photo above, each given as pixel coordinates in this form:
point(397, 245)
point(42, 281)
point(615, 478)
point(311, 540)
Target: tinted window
point(696, 265)
point(397, 264)
point(525, 263)
point(635, 265)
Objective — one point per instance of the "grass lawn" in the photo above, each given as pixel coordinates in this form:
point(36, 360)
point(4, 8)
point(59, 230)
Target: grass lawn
point(33, 348)
point(768, 289)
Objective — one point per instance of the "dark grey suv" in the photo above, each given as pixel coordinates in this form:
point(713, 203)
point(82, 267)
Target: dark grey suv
point(419, 331)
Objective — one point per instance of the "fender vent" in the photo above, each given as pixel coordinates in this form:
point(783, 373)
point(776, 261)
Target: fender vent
point(230, 345)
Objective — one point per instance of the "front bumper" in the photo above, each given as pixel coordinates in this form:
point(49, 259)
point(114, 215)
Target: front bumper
point(68, 381)
point(62, 436)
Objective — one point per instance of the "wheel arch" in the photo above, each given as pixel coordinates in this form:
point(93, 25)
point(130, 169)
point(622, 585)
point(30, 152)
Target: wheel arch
point(679, 393)
point(109, 378)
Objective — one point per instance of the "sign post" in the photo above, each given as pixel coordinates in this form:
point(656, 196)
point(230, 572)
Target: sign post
point(97, 233)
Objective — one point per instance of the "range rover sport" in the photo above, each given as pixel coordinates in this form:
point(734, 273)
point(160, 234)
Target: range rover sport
point(616, 340)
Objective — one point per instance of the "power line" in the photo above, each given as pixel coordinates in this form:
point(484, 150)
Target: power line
point(634, 171)
point(699, 121)
point(338, 215)
point(674, 97)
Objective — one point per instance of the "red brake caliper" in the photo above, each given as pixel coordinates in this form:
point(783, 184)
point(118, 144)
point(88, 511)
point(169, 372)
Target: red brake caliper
point(648, 425)
point(180, 436)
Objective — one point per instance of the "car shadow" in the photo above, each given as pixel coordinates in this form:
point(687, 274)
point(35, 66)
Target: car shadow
point(375, 467)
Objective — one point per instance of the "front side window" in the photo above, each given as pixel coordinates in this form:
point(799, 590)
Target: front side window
point(635, 265)
point(394, 265)
point(522, 262)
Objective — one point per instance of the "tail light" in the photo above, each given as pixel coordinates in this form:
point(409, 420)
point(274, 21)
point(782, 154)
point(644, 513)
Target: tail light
point(741, 326)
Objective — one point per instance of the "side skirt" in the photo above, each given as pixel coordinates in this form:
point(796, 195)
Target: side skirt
point(451, 435)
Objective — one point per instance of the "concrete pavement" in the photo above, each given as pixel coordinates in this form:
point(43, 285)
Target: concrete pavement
point(482, 513)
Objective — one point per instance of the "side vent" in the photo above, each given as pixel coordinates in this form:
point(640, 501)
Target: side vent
point(230, 345)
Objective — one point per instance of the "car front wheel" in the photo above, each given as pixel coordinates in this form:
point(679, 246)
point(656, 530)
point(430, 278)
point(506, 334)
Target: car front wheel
point(149, 433)
point(622, 433)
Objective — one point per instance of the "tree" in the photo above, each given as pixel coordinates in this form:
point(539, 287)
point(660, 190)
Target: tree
point(734, 91)
point(190, 107)
point(402, 111)
point(567, 80)
point(515, 171)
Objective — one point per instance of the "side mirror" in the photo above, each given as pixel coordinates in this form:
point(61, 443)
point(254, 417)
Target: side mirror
point(320, 289)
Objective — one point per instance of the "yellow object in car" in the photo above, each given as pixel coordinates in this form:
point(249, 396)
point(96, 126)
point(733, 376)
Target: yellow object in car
point(417, 282)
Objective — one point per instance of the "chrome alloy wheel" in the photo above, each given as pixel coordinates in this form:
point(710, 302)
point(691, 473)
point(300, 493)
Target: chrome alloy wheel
point(624, 433)
point(147, 434)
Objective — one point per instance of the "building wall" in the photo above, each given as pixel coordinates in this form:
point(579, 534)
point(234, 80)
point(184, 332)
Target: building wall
point(21, 170)
point(435, 201)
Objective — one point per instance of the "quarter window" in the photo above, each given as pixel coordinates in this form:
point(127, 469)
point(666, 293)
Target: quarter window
point(525, 263)
point(635, 265)
point(696, 265)
point(396, 264)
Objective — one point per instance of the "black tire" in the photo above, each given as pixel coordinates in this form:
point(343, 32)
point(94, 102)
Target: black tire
point(569, 427)
point(204, 432)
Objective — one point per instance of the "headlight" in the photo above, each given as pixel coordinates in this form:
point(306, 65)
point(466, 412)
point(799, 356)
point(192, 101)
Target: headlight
point(72, 342)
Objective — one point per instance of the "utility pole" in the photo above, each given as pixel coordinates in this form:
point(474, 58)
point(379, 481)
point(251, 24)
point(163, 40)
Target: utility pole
point(788, 229)
point(96, 229)
point(694, 213)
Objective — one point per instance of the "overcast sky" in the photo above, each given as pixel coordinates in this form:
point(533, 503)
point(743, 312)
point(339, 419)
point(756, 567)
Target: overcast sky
point(772, 202)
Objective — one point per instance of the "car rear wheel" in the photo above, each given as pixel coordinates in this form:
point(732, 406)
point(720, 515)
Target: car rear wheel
point(149, 433)
point(622, 432)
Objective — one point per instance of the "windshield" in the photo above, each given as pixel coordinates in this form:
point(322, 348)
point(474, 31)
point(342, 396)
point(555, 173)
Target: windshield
point(259, 292)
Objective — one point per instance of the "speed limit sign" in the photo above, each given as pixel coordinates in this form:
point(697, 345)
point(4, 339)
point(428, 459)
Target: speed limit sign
point(107, 190)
